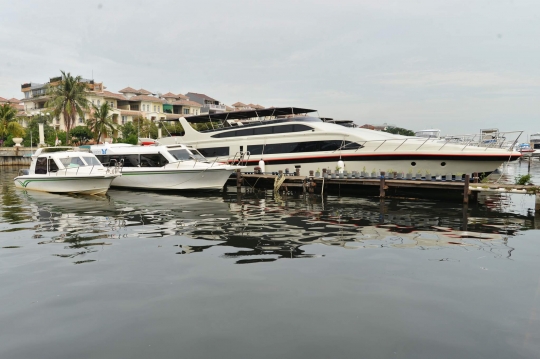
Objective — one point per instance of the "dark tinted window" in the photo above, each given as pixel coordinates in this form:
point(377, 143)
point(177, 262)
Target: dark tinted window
point(214, 151)
point(153, 160)
point(52, 166)
point(180, 154)
point(264, 130)
point(111, 160)
point(309, 146)
point(41, 166)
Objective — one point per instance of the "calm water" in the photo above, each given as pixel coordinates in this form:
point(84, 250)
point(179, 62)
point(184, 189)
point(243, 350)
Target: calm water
point(151, 275)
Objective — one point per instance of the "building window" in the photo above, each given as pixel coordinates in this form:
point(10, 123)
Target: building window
point(81, 120)
point(186, 111)
point(99, 102)
point(92, 102)
point(124, 120)
point(112, 104)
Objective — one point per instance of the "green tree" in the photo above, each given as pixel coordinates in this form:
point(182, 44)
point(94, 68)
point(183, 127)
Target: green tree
point(129, 133)
point(68, 99)
point(32, 131)
point(9, 126)
point(172, 128)
point(82, 134)
point(101, 123)
point(399, 131)
point(145, 127)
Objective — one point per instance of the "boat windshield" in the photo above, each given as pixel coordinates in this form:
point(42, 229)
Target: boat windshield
point(71, 162)
point(92, 161)
point(180, 154)
point(197, 155)
point(186, 155)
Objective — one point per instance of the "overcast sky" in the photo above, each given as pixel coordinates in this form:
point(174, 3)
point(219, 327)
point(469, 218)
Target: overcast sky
point(454, 65)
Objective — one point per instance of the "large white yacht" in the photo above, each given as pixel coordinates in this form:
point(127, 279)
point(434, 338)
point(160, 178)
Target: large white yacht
point(286, 137)
point(175, 167)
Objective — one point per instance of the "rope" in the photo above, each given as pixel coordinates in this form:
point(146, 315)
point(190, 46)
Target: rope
point(278, 181)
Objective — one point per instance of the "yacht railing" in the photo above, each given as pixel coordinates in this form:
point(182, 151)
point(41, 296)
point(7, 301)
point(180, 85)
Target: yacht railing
point(239, 159)
point(505, 140)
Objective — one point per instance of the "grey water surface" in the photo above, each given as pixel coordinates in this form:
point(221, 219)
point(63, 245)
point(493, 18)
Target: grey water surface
point(172, 275)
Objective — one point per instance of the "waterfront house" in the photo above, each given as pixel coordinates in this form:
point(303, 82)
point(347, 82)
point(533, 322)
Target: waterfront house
point(209, 105)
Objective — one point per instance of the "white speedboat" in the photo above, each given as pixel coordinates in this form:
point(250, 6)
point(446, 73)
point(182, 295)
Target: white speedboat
point(286, 137)
point(175, 167)
point(66, 170)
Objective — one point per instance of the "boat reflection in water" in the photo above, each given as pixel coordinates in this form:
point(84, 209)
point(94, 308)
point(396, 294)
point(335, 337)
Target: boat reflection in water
point(263, 229)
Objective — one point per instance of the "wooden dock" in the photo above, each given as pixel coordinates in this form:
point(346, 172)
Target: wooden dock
point(466, 190)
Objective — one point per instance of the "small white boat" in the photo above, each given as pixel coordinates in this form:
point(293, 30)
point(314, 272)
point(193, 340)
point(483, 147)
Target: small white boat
point(175, 167)
point(66, 170)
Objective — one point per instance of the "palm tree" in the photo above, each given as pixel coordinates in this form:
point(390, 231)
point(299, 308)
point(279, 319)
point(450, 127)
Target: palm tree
point(8, 122)
point(101, 123)
point(68, 99)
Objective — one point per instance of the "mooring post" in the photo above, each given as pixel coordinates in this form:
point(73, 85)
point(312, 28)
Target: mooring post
point(475, 178)
point(297, 169)
point(536, 211)
point(311, 173)
point(529, 165)
point(466, 189)
point(465, 210)
point(381, 187)
point(238, 180)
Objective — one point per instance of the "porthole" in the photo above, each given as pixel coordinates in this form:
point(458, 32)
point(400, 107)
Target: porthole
point(443, 164)
point(413, 164)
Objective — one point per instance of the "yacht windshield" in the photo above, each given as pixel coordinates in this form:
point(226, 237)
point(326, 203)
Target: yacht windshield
point(92, 161)
point(180, 154)
point(71, 162)
point(196, 155)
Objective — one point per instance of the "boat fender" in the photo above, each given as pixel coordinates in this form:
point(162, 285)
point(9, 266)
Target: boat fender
point(261, 165)
point(341, 165)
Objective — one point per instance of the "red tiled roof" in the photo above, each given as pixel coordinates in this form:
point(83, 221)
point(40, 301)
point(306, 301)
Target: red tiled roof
point(201, 95)
point(144, 92)
point(169, 95)
point(146, 98)
point(2, 99)
point(183, 97)
point(227, 108)
point(117, 96)
point(239, 104)
point(187, 103)
point(172, 115)
point(128, 90)
point(14, 100)
point(130, 113)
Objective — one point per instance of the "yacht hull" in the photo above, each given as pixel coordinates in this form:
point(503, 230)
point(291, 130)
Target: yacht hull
point(65, 184)
point(435, 164)
point(170, 179)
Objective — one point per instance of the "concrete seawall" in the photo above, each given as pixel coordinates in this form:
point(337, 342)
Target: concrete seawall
point(14, 156)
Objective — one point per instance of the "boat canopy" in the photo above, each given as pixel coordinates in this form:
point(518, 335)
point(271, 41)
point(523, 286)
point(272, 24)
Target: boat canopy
point(243, 115)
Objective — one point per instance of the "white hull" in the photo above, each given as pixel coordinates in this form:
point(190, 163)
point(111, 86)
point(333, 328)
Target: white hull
point(165, 178)
point(452, 166)
point(65, 184)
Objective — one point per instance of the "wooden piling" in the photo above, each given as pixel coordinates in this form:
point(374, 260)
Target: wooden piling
point(381, 186)
point(466, 189)
point(238, 180)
